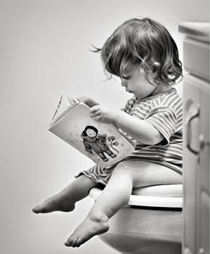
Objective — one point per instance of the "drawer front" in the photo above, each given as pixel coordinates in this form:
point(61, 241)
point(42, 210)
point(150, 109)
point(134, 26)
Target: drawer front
point(196, 58)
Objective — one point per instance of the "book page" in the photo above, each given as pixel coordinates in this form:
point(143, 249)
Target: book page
point(64, 104)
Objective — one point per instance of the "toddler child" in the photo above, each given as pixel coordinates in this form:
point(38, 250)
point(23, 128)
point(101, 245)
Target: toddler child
point(142, 53)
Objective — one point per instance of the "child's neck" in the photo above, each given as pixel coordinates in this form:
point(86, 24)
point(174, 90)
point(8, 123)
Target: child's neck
point(161, 88)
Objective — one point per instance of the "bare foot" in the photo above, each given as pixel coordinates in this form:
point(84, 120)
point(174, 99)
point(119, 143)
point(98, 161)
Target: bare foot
point(55, 203)
point(91, 226)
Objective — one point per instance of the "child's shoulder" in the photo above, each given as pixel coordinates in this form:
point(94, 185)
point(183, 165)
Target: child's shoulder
point(171, 96)
point(167, 97)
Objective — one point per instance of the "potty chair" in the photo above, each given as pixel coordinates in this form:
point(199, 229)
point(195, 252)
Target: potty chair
point(151, 223)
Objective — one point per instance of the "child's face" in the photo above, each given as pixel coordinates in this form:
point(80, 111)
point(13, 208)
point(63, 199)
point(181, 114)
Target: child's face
point(136, 83)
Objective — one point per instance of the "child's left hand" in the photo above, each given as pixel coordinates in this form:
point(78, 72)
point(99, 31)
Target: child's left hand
point(103, 114)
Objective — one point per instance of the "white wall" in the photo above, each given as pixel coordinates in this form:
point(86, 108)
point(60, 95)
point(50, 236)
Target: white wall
point(44, 49)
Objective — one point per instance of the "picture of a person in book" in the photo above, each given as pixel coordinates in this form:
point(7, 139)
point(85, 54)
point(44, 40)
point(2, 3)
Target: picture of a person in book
point(143, 54)
point(96, 143)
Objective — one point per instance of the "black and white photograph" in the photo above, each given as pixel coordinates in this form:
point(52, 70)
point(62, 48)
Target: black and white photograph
point(104, 109)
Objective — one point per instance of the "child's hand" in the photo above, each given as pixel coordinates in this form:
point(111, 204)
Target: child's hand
point(88, 101)
point(103, 114)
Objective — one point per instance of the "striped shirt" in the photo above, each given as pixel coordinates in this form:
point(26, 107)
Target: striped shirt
point(164, 112)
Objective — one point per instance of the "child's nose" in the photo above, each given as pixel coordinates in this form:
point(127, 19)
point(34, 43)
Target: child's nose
point(123, 83)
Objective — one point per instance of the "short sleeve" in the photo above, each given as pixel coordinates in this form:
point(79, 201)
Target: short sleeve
point(164, 120)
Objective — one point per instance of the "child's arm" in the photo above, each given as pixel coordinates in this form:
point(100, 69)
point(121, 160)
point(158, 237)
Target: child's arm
point(139, 129)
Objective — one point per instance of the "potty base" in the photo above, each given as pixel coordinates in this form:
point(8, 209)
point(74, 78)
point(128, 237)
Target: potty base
point(139, 230)
point(136, 245)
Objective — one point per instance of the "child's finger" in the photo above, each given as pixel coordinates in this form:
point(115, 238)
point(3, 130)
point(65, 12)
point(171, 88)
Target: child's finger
point(95, 109)
point(97, 118)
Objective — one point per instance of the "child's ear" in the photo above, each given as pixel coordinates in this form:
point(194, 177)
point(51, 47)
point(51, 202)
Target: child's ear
point(155, 66)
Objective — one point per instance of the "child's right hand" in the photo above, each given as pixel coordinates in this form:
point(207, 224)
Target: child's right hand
point(103, 114)
point(88, 101)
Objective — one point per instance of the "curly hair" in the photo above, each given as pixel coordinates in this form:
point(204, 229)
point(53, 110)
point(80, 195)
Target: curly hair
point(145, 43)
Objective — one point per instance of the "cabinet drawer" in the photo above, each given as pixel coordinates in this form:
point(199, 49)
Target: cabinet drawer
point(196, 58)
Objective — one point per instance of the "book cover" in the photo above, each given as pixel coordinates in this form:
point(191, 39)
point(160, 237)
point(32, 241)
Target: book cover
point(102, 143)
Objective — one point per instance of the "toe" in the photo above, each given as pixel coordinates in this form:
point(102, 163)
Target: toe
point(79, 242)
point(36, 209)
point(69, 241)
point(75, 242)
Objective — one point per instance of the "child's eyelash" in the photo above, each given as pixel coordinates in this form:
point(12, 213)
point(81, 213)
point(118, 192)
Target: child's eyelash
point(126, 78)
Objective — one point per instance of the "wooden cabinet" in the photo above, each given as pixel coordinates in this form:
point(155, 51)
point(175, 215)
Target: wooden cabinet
point(196, 87)
point(196, 166)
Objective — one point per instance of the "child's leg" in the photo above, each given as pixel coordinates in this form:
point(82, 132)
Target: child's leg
point(126, 176)
point(66, 199)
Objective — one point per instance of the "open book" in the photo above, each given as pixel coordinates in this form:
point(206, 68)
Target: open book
point(102, 143)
